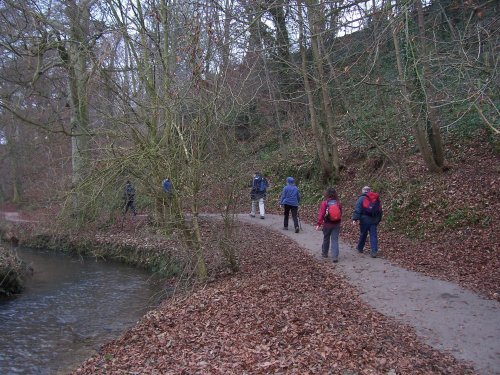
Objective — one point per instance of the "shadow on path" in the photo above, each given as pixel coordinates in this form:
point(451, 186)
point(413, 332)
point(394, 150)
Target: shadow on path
point(444, 315)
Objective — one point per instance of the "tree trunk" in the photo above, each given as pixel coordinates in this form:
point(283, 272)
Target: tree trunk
point(77, 81)
point(277, 11)
point(318, 137)
point(316, 29)
point(13, 151)
point(435, 139)
point(418, 131)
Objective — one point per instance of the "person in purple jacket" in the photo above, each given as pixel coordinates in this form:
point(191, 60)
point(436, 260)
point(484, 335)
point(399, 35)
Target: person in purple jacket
point(290, 200)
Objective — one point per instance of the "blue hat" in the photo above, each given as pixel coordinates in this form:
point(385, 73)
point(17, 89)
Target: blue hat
point(290, 180)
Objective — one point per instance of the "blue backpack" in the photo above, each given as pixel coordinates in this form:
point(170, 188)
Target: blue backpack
point(167, 185)
point(259, 184)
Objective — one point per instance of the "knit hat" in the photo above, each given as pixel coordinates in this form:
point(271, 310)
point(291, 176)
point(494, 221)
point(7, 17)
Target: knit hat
point(366, 189)
point(290, 180)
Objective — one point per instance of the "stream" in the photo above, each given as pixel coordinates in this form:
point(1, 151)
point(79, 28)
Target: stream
point(70, 307)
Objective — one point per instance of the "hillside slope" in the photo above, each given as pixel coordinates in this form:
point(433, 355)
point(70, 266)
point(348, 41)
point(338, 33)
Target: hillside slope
point(440, 225)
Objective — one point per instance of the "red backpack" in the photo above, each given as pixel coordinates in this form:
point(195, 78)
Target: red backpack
point(371, 205)
point(333, 212)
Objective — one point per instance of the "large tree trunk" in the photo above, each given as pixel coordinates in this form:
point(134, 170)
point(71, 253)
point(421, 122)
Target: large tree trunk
point(434, 132)
point(317, 27)
point(77, 61)
point(418, 130)
point(278, 13)
point(318, 136)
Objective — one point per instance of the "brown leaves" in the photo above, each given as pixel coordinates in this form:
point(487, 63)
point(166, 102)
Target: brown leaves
point(284, 313)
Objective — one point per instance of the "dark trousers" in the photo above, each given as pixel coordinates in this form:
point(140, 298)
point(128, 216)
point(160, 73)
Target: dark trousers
point(364, 229)
point(130, 204)
point(294, 210)
point(331, 240)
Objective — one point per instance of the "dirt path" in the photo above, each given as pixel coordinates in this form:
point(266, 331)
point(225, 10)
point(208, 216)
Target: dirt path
point(444, 315)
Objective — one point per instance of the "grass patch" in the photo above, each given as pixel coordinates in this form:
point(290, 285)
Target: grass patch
point(459, 218)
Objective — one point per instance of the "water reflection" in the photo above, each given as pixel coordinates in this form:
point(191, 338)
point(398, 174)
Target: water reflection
point(69, 308)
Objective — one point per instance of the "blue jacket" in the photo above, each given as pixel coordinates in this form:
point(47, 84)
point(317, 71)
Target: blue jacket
point(290, 194)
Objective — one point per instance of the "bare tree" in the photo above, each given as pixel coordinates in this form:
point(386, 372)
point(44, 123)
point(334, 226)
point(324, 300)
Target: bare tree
point(319, 139)
point(415, 98)
point(327, 135)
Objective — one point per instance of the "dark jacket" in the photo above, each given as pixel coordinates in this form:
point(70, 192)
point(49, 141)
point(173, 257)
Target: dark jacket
point(167, 185)
point(358, 210)
point(129, 192)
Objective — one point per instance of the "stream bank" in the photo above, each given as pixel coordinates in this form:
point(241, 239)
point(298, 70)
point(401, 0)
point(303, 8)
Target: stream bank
point(13, 273)
point(136, 245)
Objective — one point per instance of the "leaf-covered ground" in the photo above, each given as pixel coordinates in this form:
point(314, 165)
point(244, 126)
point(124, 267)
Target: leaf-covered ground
point(283, 313)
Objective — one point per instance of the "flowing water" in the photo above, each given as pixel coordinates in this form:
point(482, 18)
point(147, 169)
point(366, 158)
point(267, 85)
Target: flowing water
point(70, 307)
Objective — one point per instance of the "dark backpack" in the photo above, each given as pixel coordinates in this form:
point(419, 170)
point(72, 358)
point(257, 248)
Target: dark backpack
point(259, 184)
point(333, 212)
point(371, 205)
point(129, 192)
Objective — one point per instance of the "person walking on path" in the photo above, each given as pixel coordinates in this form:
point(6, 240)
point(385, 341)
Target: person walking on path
point(329, 217)
point(129, 197)
point(368, 211)
point(290, 200)
point(258, 193)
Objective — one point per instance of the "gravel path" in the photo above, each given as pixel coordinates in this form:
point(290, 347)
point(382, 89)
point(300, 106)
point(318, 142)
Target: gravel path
point(444, 315)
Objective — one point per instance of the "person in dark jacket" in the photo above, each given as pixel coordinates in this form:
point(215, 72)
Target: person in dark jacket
point(368, 219)
point(331, 229)
point(129, 197)
point(290, 200)
point(258, 194)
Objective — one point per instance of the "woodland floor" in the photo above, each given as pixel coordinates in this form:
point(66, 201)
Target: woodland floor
point(286, 312)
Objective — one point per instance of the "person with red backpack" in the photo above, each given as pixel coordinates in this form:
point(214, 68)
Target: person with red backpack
point(368, 211)
point(329, 217)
